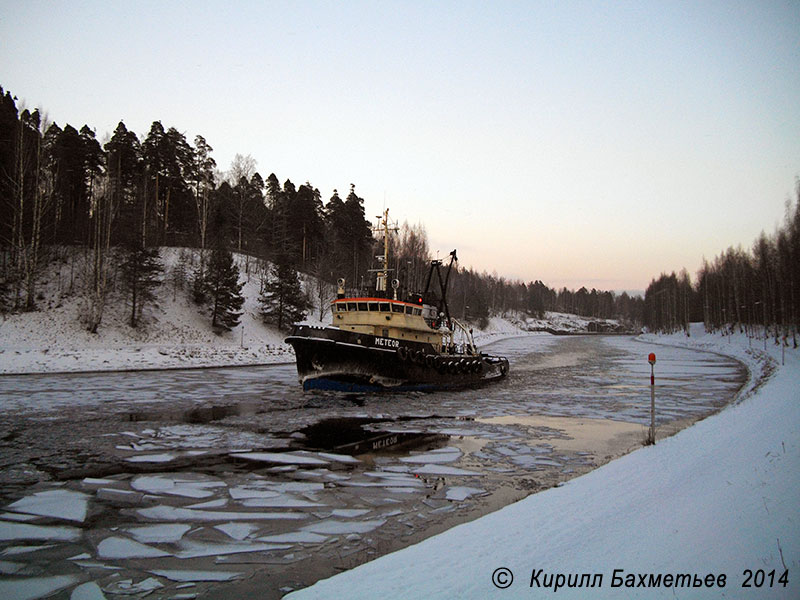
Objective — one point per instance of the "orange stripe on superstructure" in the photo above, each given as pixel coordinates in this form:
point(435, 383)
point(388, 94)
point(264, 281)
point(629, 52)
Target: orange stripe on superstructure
point(383, 300)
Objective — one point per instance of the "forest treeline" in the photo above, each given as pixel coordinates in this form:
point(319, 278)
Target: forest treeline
point(121, 199)
point(754, 292)
point(60, 187)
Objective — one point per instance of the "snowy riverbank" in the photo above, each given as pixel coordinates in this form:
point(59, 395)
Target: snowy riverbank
point(174, 333)
point(44, 343)
point(719, 498)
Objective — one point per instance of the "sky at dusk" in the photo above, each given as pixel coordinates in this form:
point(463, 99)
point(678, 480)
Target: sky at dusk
point(579, 143)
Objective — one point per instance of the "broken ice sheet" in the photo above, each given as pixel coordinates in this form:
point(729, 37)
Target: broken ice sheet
point(219, 503)
point(172, 513)
point(190, 575)
point(432, 469)
point(35, 587)
point(60, 504)
point(284, 501)
point(87, 591)
point(335, 527)
point(294, 537)
point(296, 486)
point(14, 550)
point(127, 587)
point(459, 493)
point(120, 548)
point(242, 492)
point(280, 458)
point(98, 482)
point(17, 517)
point(184, 484)
point(25, 531)
point(237, 531)
point(193, 549)
point(158, 534)
point(9, 568)
point(349, 512)
point(340, 458)
point(442, 455)
point(151, 458)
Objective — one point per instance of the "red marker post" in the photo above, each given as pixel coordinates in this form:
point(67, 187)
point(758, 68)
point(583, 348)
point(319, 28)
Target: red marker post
point(652, 437)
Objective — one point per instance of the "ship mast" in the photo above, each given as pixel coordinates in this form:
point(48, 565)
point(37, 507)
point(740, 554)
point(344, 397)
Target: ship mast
point(383, 273)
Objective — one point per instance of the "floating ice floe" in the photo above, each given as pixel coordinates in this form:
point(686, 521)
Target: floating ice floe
point(459, 493)
point(127, 587)
point(282, 501)
point(35, 587)
point(335, 527)
point(241, 493)
point(26, 531)
point(281, 458)
point(383, 479)
point(188, 575)
point(296, 486)
point(158, 534)
point(119, 548)
point(192, 549)
point(94, 481)
point(59, 504)
point(340, 458)
point(444, 470)
point(442, 455)
point(294, 537)
point(8, 567)
point(172, 513)
point(14, 550)
point(177, 485)
point(237, 531)
point(120, 496)
point(349, 513)
point(151, 458)
point(218, 503)
point(17, 517)
point(87, 591)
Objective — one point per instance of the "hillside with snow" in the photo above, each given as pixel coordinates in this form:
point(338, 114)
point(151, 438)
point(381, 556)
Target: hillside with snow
point(174, 332)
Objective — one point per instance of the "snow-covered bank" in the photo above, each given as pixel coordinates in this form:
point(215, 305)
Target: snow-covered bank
point(175, 333)
point(718, 498)
point(44, 343)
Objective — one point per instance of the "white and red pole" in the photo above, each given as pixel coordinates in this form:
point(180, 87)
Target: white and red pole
point(652, 360)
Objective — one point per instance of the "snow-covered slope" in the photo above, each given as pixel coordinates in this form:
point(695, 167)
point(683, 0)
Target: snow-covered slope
point(718, 498)
point(174, 333)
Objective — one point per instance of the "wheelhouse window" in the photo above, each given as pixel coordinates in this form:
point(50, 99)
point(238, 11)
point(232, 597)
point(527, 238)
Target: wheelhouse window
point(398, 308)
point(341, 307)
point(409, 310)
point(351, 306)
point(362, 306)
point(417, 311)
point(385, 307)
point(373, 306)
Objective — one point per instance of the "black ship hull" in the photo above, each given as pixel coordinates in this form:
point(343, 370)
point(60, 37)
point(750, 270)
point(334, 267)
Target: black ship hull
point(329, 358)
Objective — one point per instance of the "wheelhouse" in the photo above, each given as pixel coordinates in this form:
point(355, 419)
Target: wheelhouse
point(387, 318)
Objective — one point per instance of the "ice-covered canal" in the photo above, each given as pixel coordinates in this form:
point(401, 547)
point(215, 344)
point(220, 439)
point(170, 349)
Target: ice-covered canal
point(228, 482)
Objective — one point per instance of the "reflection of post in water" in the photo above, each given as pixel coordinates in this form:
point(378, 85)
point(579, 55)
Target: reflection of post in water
point(651, 436)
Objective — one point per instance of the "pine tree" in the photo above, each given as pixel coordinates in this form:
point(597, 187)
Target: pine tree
point(141, 270)
point(224, 290)
point(282, 299)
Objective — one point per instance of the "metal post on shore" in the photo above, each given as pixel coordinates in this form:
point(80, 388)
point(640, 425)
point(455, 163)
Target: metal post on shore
point(652, 435)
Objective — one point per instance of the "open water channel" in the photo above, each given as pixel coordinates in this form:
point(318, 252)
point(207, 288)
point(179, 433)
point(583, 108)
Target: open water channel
point(232, 482)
